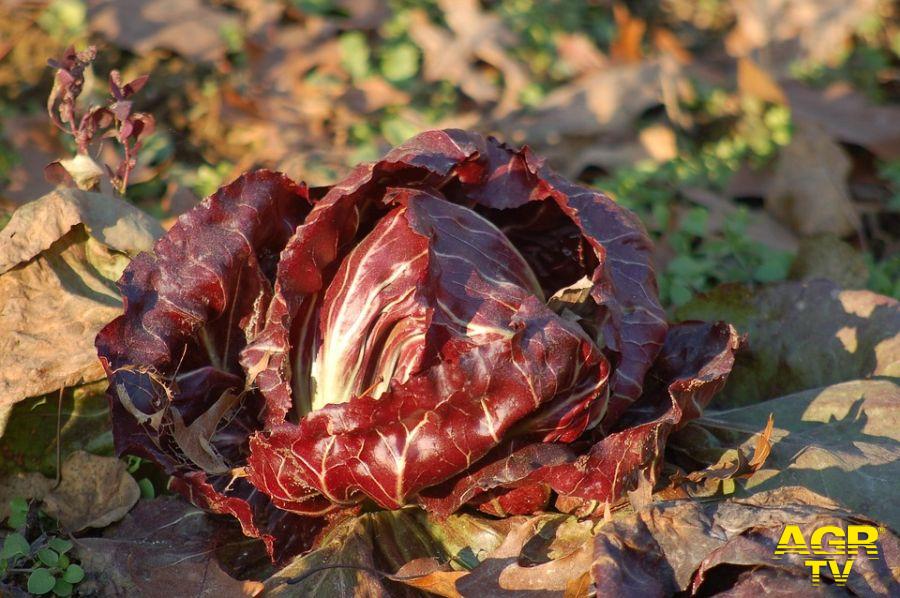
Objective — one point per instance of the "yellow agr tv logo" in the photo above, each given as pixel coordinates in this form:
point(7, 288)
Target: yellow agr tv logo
point(828, 543)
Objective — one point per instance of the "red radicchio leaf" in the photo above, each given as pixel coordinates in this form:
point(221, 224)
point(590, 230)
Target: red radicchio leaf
point(172, 358)
point(692, 367)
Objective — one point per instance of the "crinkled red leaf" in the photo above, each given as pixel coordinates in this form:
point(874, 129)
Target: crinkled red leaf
point(694, 365)
point(190, 308)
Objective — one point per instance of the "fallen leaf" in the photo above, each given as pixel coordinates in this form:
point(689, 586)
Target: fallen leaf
point(626, 47)
point(755, 82)
point(59, 258)
point(427, 574)
point(579, 587)
point(732, 464)
point(188, 27)
point(163, 546)
point(94, 492)
point(813, 30)
point(834, 336)
point(677, 546)
point(842, 441)
point(508, 569)
point(473, 35)
point(579, 53)
point(809, 191)
point(606, 102)
point(194, 439)
point(36, 225)
point(847, 115)
point(592, 121)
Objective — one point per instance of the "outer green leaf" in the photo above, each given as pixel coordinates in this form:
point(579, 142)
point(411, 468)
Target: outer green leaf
point(60, 545)
point(18, 505)
point(48, 556)
point(14, 545)
point(73, 574)
point(62, 588)
point(41, 581)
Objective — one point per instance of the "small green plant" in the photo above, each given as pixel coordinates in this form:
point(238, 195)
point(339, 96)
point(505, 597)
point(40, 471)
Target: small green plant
point(42, 566)
point(133, 464)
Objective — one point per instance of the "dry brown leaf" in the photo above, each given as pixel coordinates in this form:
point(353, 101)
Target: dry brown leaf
point(809, 192)
point(814, 30)
point(36, 225)
point(372, 94)
point(847, 115)
point(194, 439)
point(508, 568)
point(579, 53)
point(427, 574)
point(56, 287)
point(188, 27)
point(579, 587)
point(755, 82)
point(732, 464)
point(659, 141)
point(677, 546)
point(626, 47)
point(474, 35)
point(668, 43)
point(763, 447)
point(94, 492)
point(591, 121)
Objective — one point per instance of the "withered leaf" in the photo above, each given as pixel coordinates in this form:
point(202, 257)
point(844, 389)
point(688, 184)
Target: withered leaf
point(813, 30)
point(848, 116)
point(59, 256)
point(35, 226)
point(188, 27)
point(678, 546)
point(473, 35)
point(809, 191)
point(94, 491)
